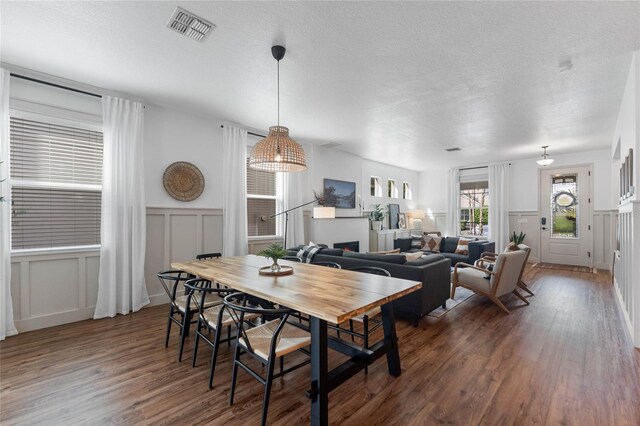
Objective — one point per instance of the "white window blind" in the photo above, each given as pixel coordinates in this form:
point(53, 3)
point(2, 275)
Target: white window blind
point(261, 202)
point(56, 184)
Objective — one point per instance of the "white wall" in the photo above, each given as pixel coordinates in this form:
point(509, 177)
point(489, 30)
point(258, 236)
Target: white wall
point(627, 270)
point(170, 136)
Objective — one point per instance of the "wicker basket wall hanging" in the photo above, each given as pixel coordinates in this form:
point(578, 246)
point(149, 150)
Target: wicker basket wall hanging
point(183, 181)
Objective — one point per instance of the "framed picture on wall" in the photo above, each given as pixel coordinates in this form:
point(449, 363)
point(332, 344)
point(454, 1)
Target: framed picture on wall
point(394, 216)
point(339, 194)
point(403, 221)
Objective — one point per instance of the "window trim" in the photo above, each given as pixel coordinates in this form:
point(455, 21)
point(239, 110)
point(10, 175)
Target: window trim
point(392, 189)
point(279, 205)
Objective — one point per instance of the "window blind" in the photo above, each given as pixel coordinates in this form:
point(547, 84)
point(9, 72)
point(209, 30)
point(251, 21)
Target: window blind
point(56, 174)
point(261, 202)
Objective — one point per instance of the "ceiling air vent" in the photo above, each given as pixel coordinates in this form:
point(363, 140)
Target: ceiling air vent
point(453, 149)
point(190, 25)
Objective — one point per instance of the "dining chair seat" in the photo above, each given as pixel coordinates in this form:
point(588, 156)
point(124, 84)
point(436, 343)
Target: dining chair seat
point(372, 313)
point(291, 339)
point(211, 299)
point(211, 316)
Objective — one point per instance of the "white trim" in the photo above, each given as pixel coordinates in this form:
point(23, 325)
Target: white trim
point(55, 185)
point(35, 111)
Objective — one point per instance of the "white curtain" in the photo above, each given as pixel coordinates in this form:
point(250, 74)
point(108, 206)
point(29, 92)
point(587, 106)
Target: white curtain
point(499, 205)
point(121, 286)
point(7, 328)
point(234, 191)
point(292, 190)
point(453, 203)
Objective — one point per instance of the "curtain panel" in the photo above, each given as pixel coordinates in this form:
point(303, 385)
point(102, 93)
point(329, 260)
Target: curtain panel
point(234, 191)
point(453, 203)
point(121, 284)
point(7, 327)
point(499, 205)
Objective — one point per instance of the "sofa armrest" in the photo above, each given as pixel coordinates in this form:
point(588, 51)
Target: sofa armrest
point(476, 248)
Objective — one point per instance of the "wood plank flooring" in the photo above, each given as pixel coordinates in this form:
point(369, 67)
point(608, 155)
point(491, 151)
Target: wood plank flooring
point(565, 359)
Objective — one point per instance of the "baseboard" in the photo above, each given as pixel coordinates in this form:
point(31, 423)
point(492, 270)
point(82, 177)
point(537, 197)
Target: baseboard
point(61, 318)
point(604, 266)
point(52, 320)
point(627, 320)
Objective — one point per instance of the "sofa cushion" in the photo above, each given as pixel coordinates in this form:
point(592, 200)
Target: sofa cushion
point(431, 243)
point(413, 256)
point(455, 258)
point(398, 259)
point(331, 252)
point(425, 260)
point(449, 245)
point(463, 246)
point(394, 251)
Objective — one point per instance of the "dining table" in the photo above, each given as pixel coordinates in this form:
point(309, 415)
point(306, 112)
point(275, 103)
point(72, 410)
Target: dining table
point(326, 296)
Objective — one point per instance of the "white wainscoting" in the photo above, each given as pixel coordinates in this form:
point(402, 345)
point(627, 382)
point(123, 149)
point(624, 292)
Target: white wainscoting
point(627, 268)
point(49, 289)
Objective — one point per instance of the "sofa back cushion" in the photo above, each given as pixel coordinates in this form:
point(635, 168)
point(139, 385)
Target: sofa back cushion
point(425, 260)
point(449, 245)
point(399, 259)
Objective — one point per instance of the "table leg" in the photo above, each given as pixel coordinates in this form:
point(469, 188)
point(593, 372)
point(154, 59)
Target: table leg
point(389, 327)
point(319, 376)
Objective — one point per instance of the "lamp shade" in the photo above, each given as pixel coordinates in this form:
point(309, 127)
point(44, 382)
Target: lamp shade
point(324, 212)
point(278, 153)
point(545, 161)
point(417, 214)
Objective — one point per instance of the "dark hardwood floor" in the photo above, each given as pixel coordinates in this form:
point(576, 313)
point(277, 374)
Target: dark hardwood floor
point(565, 359)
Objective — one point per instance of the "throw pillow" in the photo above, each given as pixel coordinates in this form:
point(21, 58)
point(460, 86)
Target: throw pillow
point(511, 247)
point(413, 256)
point(463, 246)
point(431, 243)
point(394, 251)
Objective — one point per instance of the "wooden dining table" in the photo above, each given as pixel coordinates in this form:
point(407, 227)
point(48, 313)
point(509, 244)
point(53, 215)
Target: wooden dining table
point(327, 296)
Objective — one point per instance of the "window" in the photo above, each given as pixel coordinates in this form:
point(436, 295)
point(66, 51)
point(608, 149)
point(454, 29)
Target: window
point(56, 173)
point(262, 202)
point(474, 208)
point(406, 191)
point(564, 206)
point(392, 189)
point(376, 187)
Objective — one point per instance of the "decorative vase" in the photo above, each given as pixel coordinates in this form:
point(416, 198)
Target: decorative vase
point(376, 225)
point(275, 267)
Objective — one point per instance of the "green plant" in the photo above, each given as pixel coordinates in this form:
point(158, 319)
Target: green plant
point(274, 252)
point(378, 213)
point(518, 239)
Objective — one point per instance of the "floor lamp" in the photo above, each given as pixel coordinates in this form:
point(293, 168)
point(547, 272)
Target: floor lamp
point(318, 213)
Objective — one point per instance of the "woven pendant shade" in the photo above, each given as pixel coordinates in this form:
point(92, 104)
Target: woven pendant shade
point(278, 153)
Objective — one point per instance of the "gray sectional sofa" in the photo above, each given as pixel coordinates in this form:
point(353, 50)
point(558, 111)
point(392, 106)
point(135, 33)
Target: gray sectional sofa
point(433, 271)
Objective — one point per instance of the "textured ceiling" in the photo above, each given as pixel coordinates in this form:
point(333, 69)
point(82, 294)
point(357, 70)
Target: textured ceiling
point(392, 82)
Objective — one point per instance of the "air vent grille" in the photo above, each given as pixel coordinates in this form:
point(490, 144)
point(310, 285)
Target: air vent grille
point(189, 25)
point(453, 149)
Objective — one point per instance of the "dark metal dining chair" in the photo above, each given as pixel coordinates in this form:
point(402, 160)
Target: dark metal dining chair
point(181, 308)
point(267, 342)
point(328, 264)
point(205, 256)
point(210, 320)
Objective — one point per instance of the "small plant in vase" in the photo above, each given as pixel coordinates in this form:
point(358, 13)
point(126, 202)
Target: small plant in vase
point(274, 252)
point(517, 238)
point(376, 216)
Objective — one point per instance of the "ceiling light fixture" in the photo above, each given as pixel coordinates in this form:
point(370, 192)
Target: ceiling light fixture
point(545, 161)
point(278, 152)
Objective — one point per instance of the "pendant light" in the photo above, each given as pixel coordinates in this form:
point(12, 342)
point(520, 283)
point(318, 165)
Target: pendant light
point(278, 152)
point(545, 161)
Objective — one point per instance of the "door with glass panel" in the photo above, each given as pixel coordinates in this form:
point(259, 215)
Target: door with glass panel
point(565, 216)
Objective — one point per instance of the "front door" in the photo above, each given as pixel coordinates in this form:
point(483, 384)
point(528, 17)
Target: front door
point(565, 215)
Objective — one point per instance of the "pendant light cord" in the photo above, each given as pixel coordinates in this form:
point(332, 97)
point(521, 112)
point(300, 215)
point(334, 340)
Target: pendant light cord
point(278, 93)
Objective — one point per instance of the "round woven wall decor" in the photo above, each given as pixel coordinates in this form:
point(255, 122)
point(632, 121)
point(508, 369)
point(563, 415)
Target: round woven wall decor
point(183, 181)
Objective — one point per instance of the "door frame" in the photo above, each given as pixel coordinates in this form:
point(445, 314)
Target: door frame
point(589, 211)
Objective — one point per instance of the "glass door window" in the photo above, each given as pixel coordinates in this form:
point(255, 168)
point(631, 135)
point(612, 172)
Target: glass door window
point(564, 206)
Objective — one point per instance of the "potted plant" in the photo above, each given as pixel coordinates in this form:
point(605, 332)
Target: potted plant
point(517, 239)
point(274, 252)
point(376, 216)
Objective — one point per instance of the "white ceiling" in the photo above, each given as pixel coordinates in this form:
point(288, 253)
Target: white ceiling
point(392, 82)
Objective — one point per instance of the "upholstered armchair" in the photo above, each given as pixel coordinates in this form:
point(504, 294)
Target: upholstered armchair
point(489, 258)
point(503, 279)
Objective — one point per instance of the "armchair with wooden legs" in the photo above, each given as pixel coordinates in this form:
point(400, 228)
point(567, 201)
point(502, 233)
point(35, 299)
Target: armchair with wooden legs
point(502, 280)
point(488, 258)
